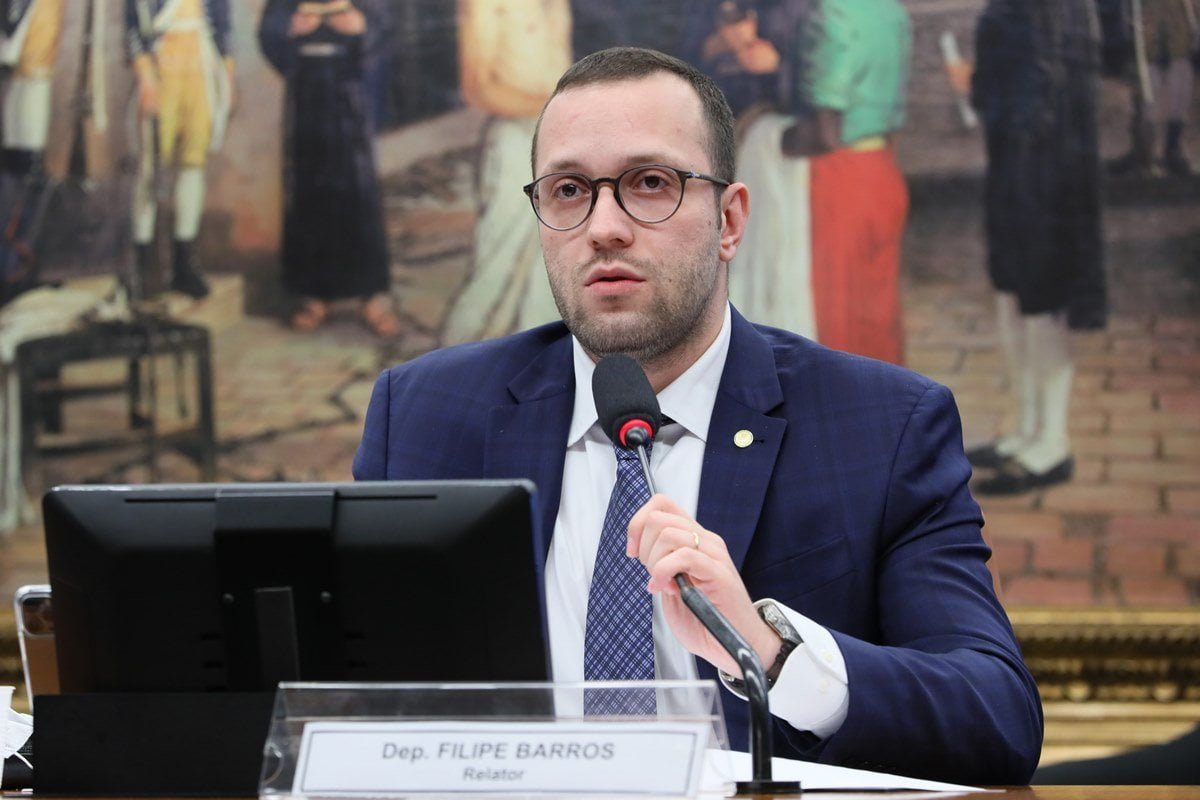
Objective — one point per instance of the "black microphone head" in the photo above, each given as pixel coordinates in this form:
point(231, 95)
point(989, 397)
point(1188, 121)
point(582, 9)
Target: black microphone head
point(625, 403)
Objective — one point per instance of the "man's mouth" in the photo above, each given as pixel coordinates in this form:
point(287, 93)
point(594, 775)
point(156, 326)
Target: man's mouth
point(611, 276)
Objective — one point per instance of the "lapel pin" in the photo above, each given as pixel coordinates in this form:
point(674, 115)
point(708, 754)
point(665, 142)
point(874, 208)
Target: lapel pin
point(743, 438)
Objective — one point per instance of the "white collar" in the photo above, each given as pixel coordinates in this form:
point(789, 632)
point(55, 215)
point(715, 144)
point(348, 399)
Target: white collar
point(688, 400)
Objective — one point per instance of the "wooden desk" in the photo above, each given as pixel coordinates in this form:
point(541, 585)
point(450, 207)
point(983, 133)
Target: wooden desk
point(1085, 793)
point(1013, 793)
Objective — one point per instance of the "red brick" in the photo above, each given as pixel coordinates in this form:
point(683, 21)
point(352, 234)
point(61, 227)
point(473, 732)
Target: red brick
point(1132, 400)
point(1114, 498)
point(1040, 591)
point(1183, 446)
point(1157, 528)
point(1139, 559)
point(1185, 501)
point(1133, 344)
point(1141, 445)
point(1169, 473)
point(1158, 591)
point(927, 358)
point(1165, 421)
point(1121, 326)
point(984, 361)
point(1009, 558)
point(1090, 341)
point(1090, 470)
point(1007, 525)
point(1092, 421)
point(1179, 362)
point(1071, 556)
point(1177, 326)
point(1016, 502)
point(1187, 560)
point(1155, 381)
point(1130, 362)
point(1086, 382)
point(1181, 402)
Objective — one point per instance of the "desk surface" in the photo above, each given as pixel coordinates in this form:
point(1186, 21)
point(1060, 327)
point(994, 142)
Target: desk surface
point(1015, 793)
point(1075, 793)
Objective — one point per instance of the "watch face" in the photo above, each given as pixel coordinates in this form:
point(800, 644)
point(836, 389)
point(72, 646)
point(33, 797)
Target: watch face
point(780, 623)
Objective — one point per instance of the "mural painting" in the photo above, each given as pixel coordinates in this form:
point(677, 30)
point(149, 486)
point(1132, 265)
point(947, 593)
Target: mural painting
point(997, 193)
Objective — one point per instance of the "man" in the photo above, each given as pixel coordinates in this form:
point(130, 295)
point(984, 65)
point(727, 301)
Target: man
point(829, 488)
point(184, 70)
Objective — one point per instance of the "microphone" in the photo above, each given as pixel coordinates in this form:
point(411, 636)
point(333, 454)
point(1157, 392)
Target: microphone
point(630, 416)
point(627, 407)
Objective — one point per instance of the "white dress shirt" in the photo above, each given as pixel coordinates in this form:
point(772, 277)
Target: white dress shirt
point(812, 692)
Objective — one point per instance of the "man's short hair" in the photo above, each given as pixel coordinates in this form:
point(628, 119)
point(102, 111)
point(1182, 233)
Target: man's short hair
point(630, 63)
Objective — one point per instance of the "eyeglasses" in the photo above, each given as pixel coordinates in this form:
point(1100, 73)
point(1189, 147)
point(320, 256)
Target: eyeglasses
point(649, 193)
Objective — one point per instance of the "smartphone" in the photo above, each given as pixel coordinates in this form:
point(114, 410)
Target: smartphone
point(35, 632)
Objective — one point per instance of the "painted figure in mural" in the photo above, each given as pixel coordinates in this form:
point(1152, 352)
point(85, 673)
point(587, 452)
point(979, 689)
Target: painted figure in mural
point(184, 70)
point(754, 49)
point(1149, 44)
point(637, 23)
point(510, 54)
point(1170, 35)
point(1035, 87)
point(334, 243)
point(55, 73)
point(30, 31)
point(855, 81)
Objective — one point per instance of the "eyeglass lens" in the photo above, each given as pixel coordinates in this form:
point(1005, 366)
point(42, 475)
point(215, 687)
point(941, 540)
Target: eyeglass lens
point(648, 193)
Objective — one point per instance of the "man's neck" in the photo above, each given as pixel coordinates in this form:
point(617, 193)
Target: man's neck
point(661, 371)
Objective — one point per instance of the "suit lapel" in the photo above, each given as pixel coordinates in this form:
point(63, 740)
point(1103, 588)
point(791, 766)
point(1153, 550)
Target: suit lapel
point(743, 441)
point(528, 439)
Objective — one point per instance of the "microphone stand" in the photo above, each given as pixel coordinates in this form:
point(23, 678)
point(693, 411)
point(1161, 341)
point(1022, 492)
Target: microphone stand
point(753, 675)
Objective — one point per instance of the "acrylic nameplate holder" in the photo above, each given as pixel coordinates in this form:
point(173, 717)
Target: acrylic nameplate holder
point(517, 739)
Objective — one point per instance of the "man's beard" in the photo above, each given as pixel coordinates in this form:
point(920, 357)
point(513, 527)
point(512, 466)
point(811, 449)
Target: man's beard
point(649, 334)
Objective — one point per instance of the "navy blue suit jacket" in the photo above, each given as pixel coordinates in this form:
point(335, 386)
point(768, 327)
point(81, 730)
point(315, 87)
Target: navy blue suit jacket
point(851, 507)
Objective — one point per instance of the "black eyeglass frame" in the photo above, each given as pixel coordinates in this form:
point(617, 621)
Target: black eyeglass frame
point(594, 187)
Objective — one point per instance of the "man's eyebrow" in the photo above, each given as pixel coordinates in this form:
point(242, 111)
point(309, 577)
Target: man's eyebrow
point(636, 160)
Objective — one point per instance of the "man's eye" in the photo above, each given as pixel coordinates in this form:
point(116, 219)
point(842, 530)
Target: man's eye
point(568, 189)
point(651, 182)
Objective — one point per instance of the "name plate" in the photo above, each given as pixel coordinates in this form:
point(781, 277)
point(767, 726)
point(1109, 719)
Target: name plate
point(350, 759)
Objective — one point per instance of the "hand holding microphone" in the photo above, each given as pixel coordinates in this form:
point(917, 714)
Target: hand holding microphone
point(673, 546)
point(675, 549)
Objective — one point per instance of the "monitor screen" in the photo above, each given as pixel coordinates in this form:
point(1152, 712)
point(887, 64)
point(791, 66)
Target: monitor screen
point(235, 587)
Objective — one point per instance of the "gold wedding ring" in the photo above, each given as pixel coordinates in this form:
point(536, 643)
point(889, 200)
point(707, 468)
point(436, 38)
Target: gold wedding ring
point(695, 540)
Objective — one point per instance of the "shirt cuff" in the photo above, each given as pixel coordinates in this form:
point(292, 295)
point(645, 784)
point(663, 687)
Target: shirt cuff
point(812, 692)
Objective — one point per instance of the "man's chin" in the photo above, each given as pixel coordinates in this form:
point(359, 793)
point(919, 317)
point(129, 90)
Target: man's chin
point(623, 332)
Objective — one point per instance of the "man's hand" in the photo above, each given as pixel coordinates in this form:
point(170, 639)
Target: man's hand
point(233, 90)
point(148, 99)
point(667, 541)
point(303, 24)
point(350, 22)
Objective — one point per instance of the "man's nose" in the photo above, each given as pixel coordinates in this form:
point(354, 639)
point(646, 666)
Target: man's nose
point(609, 225)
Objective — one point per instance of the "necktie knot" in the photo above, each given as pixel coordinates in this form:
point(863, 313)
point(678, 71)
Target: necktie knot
point(629, 455)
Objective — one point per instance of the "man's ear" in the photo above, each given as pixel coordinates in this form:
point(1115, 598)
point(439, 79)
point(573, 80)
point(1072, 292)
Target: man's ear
point(735, 209)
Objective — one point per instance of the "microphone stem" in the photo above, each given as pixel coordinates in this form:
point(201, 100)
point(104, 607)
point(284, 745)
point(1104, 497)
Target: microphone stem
point(753, 675)
point(645, 461)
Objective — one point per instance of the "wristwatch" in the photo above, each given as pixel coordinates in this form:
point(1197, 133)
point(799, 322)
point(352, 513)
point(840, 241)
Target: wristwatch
point(778, 621)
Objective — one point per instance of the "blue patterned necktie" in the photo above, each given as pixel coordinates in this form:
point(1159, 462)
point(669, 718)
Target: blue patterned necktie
point(619, 638)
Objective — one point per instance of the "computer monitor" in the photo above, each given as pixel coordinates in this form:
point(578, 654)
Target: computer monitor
point(235, 587)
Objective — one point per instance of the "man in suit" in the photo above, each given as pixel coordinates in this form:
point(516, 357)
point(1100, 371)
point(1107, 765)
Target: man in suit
point(818, 498)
